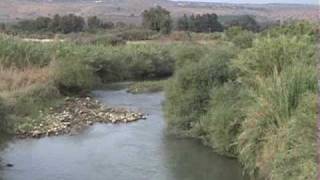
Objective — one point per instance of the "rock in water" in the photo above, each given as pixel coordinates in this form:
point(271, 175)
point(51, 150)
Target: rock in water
point(9, 165)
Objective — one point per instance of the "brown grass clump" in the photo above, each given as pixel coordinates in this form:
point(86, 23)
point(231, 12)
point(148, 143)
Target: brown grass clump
point(16, 80)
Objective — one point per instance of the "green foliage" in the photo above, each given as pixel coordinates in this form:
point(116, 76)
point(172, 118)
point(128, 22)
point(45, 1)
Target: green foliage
point(99, 39)
point(270, 54)
point(64, 24)
point(188, 53)
point(94, 22)
point(277, 88)
point(191, 86)
point(223, 121)
point(200, 23)
point(72, 75)
point(136, 34)
point(147, 86)
point(239, 37)
point(157, 19)
point(245, 22)
point(14, 52)
point(296, 159)
point(3, 117)
point(297, 28)
point(263, 111)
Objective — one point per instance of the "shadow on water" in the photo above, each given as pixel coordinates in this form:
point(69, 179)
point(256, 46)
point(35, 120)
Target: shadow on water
point(137, 151)
point(190, 160)
point(4, 138)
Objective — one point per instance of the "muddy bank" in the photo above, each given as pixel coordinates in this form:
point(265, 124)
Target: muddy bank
point(75, 115)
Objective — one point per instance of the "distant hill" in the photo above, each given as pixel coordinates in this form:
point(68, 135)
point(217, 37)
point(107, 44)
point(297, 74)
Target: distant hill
point(129, 10)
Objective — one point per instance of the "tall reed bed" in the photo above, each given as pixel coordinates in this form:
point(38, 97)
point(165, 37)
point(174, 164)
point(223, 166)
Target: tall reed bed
point(258, 105)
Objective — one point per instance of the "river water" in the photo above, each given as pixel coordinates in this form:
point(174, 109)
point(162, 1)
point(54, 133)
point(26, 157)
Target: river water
point(136, 151)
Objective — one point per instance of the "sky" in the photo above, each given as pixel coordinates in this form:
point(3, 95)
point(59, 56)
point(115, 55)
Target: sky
point(262, 1)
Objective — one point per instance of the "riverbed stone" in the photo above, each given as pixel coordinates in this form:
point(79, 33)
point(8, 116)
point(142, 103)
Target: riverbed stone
point(75, 115)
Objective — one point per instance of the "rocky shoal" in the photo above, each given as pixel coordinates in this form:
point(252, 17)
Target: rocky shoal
point(75, 115)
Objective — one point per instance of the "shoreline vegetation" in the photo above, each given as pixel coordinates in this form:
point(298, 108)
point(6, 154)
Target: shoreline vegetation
point(246, 93)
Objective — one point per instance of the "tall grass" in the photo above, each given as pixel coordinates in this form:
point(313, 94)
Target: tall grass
point(258, 105)
point(35, 76)
point(278, 87)
point(191, 86)
point(14, 52)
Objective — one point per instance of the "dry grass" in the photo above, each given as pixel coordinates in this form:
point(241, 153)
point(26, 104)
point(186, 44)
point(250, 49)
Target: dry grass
point(16, 80)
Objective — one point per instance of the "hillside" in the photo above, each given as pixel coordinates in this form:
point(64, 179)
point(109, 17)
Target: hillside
point(130, 10)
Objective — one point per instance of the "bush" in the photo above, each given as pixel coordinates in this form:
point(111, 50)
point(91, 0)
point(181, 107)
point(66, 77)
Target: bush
point(105, 40)
point(224, 118)
point(188, 53)
point(279, 73)
point(3, 117)
point(136, 34)
point(151, 63)
point(36, 97)
point(71, 75)
point(14, 52)
point(146, 87)
point(239, 37)
point(261, 107)
point(298, 28)
point(191, 86)
point(246, 22)
point(296, 158)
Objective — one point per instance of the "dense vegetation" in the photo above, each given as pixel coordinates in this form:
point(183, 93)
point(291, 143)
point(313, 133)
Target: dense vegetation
point(36, 76)
point(200, 23)
point(157, 19)
point(255, 102)
point(248, 95)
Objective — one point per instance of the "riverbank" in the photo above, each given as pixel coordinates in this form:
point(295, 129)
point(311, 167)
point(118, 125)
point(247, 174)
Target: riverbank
point(73, 116)
point(257, 103)
point(103, 151)
point(147, 86)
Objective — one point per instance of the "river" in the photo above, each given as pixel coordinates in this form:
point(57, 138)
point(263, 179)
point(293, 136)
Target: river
point(136, 151)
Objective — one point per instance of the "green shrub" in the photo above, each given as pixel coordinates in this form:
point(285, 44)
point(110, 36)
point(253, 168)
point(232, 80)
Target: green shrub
point(223, 121)
point(188, 53)
point(296, 158)
point(150, 63)
point(239, 37)
point(279, 72)
point(191, 86)
point(3, 117)
point(146, 87)
point(261, 108)
point(298, 28)
point(136, 34)
point(72, 75)
point(99, 39)
point(36, 97)
point(270, 54)
point(14, 52)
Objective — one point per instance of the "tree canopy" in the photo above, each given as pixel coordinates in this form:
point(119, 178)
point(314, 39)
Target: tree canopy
point(157, 19)
point(200, 23)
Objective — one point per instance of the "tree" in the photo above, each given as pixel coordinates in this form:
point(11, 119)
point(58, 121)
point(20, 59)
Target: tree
point(72, 23)
point(200, 23)
point(94, 22)
point(183, 23)
point(55, 23)
point(245, 22)
point(157, 19)
point(42, 23)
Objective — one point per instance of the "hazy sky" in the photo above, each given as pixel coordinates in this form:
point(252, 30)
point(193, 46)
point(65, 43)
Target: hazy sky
point(262, 1)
